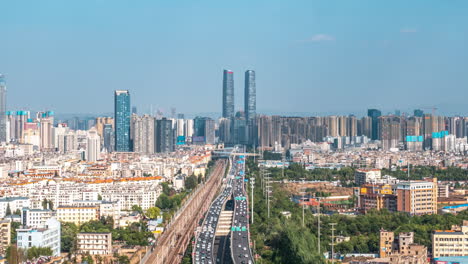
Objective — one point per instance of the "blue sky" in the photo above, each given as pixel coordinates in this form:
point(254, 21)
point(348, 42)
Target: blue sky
point(309, 56)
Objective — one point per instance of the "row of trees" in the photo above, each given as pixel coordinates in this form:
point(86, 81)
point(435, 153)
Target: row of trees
point(420, 172)
point(297, 171)
point(278, 239)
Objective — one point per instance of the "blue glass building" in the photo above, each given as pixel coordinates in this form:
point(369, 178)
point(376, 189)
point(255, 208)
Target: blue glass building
point(250, 98)
point(228, 94)
point(122, 121)
point(374, 114)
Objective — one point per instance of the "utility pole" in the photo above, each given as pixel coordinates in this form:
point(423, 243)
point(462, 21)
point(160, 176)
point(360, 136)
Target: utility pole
point(303, 200)
point(333, 242)
point(318, 223)
point(283, 158)
point(268, 193)
point(408, 170)
point(252, 184)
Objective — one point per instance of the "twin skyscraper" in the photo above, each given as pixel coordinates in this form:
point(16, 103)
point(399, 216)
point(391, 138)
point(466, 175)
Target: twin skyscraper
point(250, 104)
point(238, 128)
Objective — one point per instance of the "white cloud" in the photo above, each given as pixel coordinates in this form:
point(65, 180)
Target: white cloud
point(320, 38)
point(408, 30)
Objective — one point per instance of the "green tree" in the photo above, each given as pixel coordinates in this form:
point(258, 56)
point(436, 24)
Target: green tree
point(88, 258)
point(8, 210)
point(35, 252)
point(44, 203)
point(99, 197)
point(191, 182)
point(164, 202)
point(137, 208)
point(153, 212)
point(68, 237)
point(14, 226)
point(15, 255)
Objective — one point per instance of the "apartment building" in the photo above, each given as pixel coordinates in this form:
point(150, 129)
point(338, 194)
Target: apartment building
point(95, 243)
point(36, 218)
point(401, 249)
point(14, 203)
point(363, 176)
point(449, 243)
point(77, 214)
point(49, 236)
point(5, 236)
point(106, 208)
point(417, 197)
point(376, 197)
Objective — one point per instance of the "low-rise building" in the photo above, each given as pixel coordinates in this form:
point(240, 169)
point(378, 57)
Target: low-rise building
point(77, 214)
point(36, 218)
point(5, 236)
point(14, 203)
point(49, 236)
point(95, 243)
point(363, 176)
point(417, 197)
point(449, 243)
point(400, 249)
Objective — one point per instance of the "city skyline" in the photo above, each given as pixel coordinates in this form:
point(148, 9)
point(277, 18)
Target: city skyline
point(306, 61)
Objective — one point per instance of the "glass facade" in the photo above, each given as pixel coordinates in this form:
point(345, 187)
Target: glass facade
point(122, 121)
point(164, 136)
point(228, 94)
point(374, 114)
point(250, 98)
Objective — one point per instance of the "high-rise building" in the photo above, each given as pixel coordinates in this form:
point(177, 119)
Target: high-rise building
point(143, 134)
point(108, 137)
point(122, 121)
point(204, 130)
point(93, 148)
point(3, 117)
point(418, 112)
point(374, 114)
point(351, 126)
point(228, 94)
point(100, 122)
point(250, 97)
point(366, 127)
point(134, 110)
point(224, 130)
point(390, 131)
point(180, 125)
point(188, 130)
point(46, 123)
point(164, 136)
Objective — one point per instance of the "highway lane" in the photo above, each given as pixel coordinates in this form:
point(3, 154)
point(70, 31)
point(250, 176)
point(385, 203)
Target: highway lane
point(240, 237)
point(203, 251)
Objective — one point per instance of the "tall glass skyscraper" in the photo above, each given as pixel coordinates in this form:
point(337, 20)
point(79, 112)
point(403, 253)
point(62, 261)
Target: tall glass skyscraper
point(164, 135)
point(122, 121)
point(250, 97)
point(374, 114)
point(3, 118)
point(228, 94)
